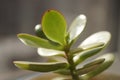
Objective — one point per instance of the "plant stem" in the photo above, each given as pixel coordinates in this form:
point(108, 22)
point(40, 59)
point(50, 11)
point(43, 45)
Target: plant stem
point(72, 69)
point(72, 66)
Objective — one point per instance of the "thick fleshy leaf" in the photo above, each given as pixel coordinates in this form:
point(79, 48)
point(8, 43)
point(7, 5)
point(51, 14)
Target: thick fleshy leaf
point(50, 52)
point(39, 32)
point(90, 66)
point(78, 58)
point(63, 71)
point(40, 67)
point(94, 62)
point(61, 78)
point(57, 59)
point(87, 47)
point(94, 45)
point(96, 39)
point(54, 26)
point(77, 26)
point(109, 59)
point(35, 41)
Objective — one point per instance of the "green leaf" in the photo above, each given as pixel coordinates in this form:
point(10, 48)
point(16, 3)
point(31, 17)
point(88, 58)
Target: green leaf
point(37, 42)
point(109, 59)
point(96, 38)
point(93, 45)
point(40, 67)
point(50, 52)
point(61, 78)
point(57, 59)
point(54, 26)
point(90, 66)
point(94, 62)
point(87, 47)
point(39, 32)
point(77, 27)
point(78, 58)
point(63, 71)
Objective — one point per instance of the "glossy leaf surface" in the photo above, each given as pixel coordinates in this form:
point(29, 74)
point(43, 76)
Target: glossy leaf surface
point(78, 58)
point(93, 45)
point(50, 52)
point(40, 67)
point(54, 26)
point(77, 26)
point(87, 47)
point(97, 38)
point(90, 66)
point(57, 59)
point(34, 41)
point(63, 71)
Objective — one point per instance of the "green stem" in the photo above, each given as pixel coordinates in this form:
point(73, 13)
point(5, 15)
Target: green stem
point(73, 70)
point(72, 65)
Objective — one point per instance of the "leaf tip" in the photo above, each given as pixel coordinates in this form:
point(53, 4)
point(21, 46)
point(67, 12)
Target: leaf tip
point(20, 35)
point(16, 63)
point(82, 16)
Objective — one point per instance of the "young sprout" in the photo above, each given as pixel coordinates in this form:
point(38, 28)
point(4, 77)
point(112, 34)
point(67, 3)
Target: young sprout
point(54, 42)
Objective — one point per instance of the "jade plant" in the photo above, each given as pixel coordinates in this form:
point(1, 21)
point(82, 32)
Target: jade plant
point(54, 41)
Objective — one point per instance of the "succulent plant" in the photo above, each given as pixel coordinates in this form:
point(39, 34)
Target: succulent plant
point(54, 42)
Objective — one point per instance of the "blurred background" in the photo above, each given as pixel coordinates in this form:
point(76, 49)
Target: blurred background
point(21, 16)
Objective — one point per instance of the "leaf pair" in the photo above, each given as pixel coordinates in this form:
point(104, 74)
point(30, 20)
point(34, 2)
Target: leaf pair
point(91, 46)
point(108, 60)
point(92, 68)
